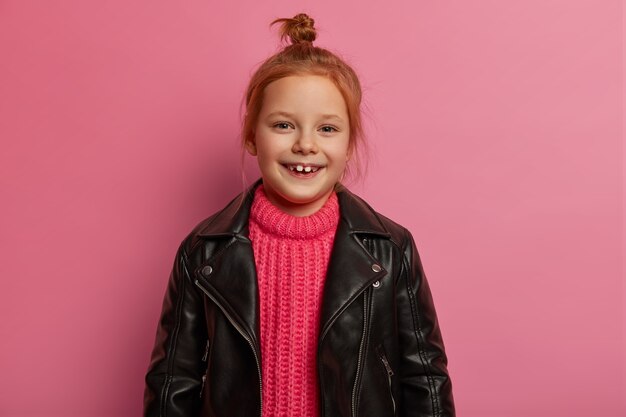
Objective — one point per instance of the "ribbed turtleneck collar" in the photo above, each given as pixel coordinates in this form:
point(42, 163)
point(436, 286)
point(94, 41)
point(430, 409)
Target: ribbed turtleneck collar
point(274, 220)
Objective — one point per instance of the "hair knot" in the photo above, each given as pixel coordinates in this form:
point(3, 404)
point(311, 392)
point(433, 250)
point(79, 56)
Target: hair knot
point(298, 29)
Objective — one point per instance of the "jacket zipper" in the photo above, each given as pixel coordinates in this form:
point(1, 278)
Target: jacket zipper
point(206, 351)
point(204, 359)
point(202, 387)
point(245, 336)
point(366, 304)
point(385, 362)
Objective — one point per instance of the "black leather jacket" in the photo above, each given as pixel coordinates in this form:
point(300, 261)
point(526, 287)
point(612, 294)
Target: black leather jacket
point(380, 351)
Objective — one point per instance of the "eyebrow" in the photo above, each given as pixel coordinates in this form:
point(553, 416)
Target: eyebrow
point(287, 114)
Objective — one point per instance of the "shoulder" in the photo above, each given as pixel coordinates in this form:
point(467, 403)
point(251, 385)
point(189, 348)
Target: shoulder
point(397, 233)
point(220, 224)
point(400, 235)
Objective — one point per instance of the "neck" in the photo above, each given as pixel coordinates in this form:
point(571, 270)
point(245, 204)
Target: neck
point(277, 222)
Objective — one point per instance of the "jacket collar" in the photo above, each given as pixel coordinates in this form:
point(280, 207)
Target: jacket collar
point(231, 281)
point(233, 220)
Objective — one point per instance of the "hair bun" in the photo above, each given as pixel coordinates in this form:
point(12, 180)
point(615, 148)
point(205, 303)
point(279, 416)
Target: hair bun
point(298, 28)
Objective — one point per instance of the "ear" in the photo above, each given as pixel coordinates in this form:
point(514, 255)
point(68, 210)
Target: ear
point(250, 147)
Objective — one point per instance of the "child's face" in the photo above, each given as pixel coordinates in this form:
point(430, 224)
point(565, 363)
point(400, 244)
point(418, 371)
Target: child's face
point(314, 132)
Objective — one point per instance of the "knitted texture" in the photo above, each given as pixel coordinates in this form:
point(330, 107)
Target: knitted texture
point(291, 255)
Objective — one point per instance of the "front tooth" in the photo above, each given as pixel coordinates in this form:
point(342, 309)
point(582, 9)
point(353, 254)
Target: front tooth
point(299, 168)
point(307, 169)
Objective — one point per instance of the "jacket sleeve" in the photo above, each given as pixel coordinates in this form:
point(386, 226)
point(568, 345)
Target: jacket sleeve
point(423, 375)
point(174, 377)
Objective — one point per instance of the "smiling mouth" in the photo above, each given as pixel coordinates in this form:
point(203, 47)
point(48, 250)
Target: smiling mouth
point(304, 169)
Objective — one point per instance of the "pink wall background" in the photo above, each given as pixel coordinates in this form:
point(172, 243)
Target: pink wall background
point(500, 125)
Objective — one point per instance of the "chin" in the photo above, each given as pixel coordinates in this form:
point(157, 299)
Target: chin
point(301, 196)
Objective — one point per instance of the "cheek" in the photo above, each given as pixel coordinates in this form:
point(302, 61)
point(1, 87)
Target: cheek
point(340, 153)
point(261, 145)
point(266, 158)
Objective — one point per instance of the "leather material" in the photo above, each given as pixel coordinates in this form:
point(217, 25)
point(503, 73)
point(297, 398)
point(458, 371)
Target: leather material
point(380, 349)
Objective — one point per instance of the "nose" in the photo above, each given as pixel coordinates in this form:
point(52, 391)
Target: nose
point(305, 143)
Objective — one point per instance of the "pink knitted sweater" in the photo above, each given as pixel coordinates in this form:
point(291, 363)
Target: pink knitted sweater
point(291, 255)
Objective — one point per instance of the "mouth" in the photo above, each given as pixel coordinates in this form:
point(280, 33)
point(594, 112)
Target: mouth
point(306, 168)
point(303, 170)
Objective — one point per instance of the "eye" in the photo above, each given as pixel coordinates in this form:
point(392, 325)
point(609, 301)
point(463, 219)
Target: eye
point(329, 129)
point(282, 125)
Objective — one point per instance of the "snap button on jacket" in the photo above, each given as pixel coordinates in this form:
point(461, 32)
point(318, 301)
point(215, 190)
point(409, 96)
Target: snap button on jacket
point(380, 350)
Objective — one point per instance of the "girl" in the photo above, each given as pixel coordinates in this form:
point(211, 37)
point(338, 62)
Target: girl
point(297, 298)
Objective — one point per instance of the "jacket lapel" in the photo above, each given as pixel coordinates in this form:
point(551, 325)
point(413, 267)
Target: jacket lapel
point(351, 267)
point(232, 280)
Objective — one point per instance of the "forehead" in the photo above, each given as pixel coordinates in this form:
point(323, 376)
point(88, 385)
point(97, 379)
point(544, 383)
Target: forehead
point(303, 93)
